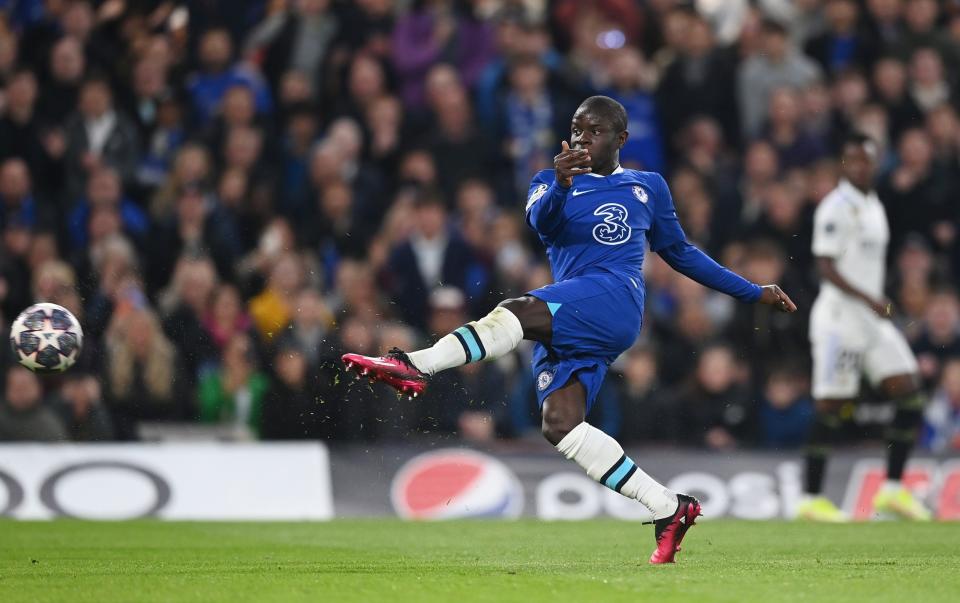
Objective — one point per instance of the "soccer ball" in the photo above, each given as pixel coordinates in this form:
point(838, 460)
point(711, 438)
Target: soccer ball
point(46, 338)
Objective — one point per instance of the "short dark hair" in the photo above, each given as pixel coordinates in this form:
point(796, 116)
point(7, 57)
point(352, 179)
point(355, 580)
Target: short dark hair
point(773, 26)
point(608, 109)
point(856, 138)
point(429, 196)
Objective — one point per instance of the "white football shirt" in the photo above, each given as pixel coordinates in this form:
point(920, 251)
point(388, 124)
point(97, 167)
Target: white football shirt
point(852, 228)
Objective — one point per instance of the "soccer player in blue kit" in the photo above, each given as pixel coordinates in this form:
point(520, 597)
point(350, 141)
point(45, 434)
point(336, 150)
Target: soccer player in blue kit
point(595, 219)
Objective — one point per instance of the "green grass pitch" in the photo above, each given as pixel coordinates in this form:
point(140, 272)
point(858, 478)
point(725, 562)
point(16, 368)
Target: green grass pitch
point(386, 560)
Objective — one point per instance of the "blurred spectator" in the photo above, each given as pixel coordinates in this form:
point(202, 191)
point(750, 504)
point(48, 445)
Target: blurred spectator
point(367, 25)
point(760, 337)
point(217, 74)
point(143, 379)
point(438, 31)
point(17, 203)
point(339, 228)
point(357, 290)
point(941, 429)
point(14, 270)
point(183, 306)
point(199, 226)
point(99, 136)
point(433, 254)
point(920, 18)
point(24, 414)
point(295, 39)
point(233, 394)
point(940, 339)
point(104, 189)
point(630, 83)
point(366, 82)
point(701, 81)
point(844, 44)
point(192, 166)
point(795, 146)
point(885, 24)
point(649, 412)
point(225, 316)
point(460, 149)
point(786, 409)
point(301, 130)
point(787, 220)
point(890, 83)
point(82, 410)
point(384, 120)
point(291, 406)
point(718, 411)
point(778, 64)
point(20, 129)
point(929, 87)
point(58, 98)
point(310, 327)
point(516, 37)
point(55, 281)
point(915, 193)
point(528, 118)
point(273, 307)
point(108, 264)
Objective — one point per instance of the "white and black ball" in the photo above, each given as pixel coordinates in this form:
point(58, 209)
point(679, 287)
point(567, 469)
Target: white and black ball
point(46, 338)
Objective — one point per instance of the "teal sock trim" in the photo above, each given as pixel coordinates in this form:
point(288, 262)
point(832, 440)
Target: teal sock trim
point(471, 342)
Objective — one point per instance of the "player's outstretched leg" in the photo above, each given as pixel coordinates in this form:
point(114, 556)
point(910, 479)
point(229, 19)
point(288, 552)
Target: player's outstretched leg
point(894, 498)
point(815, 506)
point(604, 460)
point(491, 337)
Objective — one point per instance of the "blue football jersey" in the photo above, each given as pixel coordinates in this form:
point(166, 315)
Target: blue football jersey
point(602, 223)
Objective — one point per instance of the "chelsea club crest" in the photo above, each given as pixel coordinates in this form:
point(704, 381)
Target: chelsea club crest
point(640, 194)
point(544, 379)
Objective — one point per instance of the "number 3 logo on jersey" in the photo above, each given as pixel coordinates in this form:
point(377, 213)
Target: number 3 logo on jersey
point(614, 229)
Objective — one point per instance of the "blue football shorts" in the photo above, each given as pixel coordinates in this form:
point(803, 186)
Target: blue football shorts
point(596, 317)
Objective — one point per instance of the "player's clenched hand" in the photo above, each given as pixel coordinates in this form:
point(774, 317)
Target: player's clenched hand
point(773, 295)
point(882, 307)
point(569, 163)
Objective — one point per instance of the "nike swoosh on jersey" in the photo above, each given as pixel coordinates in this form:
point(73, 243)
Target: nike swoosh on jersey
point(575, 192)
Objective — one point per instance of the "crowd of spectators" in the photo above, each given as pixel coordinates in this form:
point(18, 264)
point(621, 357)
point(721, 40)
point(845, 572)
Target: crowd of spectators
point(230, 194)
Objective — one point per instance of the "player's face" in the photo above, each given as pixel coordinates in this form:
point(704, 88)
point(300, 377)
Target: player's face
point(858, 163)
point(591, 132)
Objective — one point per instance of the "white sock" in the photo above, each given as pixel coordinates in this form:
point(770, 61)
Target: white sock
point(890, 485)
point(603, 460)
point(489, 338)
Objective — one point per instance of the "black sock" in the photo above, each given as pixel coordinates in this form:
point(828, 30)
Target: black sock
point(816, 462)
point(903, 433)
point(897, 453)
point(822, 435)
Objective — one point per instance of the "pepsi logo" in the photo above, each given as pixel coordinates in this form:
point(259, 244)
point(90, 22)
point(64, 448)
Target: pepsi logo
point(454, 483)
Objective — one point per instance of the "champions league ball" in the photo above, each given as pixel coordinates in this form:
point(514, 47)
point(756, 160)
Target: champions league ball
point(46, 338)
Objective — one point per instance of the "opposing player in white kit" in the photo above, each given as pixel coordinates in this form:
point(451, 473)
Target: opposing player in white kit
point(851, 335)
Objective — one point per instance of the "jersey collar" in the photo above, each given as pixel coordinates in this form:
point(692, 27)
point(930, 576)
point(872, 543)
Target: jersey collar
point(854, 194)
point(619, 170)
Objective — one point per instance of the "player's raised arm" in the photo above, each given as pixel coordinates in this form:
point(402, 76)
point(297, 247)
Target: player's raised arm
point(668, 240)
point(545, 199)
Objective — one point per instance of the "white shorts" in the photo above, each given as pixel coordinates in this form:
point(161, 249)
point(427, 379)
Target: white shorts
point(848, 341)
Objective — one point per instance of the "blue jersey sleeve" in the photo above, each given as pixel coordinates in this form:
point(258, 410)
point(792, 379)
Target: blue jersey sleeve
point(665, 229)
point(545, 203)
point(690, 261)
